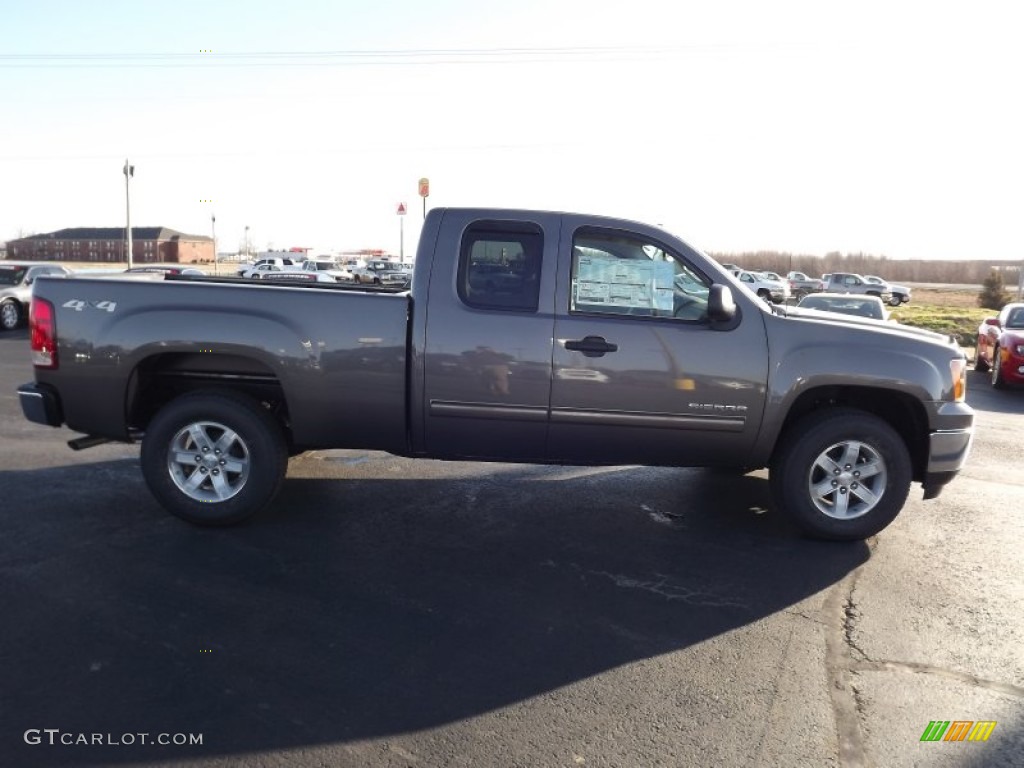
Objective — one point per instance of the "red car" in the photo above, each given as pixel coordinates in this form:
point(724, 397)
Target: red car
point(1001, 346)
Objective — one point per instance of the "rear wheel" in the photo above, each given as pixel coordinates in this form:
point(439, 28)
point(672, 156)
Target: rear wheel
point(842, 474)
point(10, 315)
point(979, 361)
point(764, 294)
point(213, 459)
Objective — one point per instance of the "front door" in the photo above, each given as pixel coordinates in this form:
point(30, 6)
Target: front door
point(640, 375)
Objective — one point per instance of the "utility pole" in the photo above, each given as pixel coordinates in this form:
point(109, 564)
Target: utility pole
point(129, 171)
point(213, 231)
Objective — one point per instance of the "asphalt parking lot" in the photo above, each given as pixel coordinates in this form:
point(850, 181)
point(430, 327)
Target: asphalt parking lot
point(389, 612)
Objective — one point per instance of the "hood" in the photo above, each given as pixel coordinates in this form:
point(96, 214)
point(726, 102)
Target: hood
point(837, 318)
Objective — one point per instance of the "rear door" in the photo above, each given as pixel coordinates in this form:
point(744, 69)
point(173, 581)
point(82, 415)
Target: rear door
point(640, 374)
point(488, 337)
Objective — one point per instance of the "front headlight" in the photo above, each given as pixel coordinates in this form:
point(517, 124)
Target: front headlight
point(1019, 350)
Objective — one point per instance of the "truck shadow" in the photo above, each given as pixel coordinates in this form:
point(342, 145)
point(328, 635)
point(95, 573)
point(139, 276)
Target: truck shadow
point(415, 595)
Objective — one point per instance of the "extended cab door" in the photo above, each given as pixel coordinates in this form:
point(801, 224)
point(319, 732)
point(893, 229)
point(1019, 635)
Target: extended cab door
point(640, 373)
point(487, 343)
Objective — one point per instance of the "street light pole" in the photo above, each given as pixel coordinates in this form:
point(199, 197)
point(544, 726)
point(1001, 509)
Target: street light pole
point(129, 171)
point(213, 230)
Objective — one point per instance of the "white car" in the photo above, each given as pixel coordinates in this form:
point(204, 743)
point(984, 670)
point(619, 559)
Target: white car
point(767, 289)
point(280, 262)
point(898, 294)
point(327, 270)
point(261, 271)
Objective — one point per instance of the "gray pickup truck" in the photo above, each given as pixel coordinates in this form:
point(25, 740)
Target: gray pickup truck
point(526, 336)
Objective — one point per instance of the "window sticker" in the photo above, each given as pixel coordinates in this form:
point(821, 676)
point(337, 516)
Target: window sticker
point(628, 283)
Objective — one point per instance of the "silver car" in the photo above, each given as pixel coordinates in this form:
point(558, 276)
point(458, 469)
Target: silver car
point(846, 304)
point(16, 278)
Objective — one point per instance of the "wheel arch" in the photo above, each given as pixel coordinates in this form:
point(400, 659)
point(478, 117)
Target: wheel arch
point(904, 412)
point(160, 378)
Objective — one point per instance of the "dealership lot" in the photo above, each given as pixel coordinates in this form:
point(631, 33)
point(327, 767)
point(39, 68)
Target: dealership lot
point(396, 612)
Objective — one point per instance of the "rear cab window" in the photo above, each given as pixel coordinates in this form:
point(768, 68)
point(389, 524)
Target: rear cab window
point(500, 265)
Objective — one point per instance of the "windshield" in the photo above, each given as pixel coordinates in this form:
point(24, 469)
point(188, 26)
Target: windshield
point(1016, 318)
point(12, 275)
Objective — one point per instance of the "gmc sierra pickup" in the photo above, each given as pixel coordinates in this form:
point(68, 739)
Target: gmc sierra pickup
point(526, 336)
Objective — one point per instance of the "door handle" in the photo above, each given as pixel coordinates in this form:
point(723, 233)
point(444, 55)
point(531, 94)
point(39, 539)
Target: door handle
point(591, 346)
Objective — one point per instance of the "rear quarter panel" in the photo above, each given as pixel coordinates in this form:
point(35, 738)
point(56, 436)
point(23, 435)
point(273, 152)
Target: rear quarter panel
point(339, 356)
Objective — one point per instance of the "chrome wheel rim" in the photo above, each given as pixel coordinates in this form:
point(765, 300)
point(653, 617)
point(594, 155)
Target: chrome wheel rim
point(208, 461)
point(996, 372)
point(8, 315)
point(847, 480)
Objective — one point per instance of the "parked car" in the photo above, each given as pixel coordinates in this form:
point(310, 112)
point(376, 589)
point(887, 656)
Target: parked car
point(899, 294)
point(269, 269)
point(1000, 347)
point(165, 270)
point(243, 269)
point(371, 273)
point(847, 282)
point(767, 289)
point(16, 278)
point(328, 269)
point(846, 304)
point(399, 274)
point(800, 284)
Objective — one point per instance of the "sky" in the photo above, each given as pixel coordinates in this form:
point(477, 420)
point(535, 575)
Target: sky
point(892, 128)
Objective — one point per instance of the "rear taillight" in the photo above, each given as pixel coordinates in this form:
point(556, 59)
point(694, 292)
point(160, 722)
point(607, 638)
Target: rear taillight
point(42, 324)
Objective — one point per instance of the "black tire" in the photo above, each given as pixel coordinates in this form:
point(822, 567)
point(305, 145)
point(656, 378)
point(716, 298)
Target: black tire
point(251, 466)
point(10, 314)
point(850, 509)
point(979, 362)
point(998, 382)
point(765, 295)
point(895, 300)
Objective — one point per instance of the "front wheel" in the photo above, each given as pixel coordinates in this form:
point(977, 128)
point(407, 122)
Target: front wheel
point(895, 300)
point(212, 459)
point(842, 475)
point(998, 382)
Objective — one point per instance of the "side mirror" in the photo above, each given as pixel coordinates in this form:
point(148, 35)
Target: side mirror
point(721, 305)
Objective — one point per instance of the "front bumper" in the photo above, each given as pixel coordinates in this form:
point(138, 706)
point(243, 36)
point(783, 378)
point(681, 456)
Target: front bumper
point(40, 404)
point(948, 447)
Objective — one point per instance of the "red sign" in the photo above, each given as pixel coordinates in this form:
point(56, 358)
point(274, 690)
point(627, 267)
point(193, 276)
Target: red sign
point(424, 187)
point(401, 209)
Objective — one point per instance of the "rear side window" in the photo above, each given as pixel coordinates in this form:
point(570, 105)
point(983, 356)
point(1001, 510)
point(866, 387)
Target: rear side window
point(499, 266)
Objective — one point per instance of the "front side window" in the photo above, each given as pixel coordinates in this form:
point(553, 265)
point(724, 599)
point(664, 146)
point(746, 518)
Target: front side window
point(624, 274)
point(499, 266)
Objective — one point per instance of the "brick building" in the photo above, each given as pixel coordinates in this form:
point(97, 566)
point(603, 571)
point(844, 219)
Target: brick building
point(149, 245)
